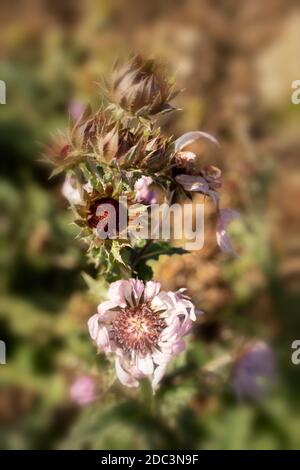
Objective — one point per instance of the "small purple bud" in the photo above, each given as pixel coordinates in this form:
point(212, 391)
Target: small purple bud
point(76, 109)
point(143, 193)
point(253, 371)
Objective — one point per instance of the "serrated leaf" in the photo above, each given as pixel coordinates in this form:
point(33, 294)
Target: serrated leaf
point(162, 248)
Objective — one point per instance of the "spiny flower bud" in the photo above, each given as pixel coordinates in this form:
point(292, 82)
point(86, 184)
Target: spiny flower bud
point(155, 155)
point(67, 151)
point(59, 153)
point(142, 87)
point(107, 140)
point(93, 130)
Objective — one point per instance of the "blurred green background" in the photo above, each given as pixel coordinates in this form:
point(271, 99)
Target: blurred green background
point(236, 62)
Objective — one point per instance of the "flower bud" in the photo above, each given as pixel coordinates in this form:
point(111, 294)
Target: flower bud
point(142, 87)
point(143, 193)
point(83, 390)
point(186, 161)
point(253, 371)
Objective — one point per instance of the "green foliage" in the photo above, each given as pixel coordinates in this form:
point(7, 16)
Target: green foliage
point(151, 251)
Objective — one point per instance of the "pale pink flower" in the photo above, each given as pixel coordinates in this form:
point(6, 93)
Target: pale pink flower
point(72, 192)
point(212, 176)
point(193, 183)
point(144, 327)
point(143, 193)
point(190, 137)
point(254, 371)
point(207, 181)
point(225, 216)
point(199, 184)
point(83, 390)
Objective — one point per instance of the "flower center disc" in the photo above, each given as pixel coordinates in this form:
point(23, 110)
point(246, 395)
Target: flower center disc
point(137, 329)
point(104, 212)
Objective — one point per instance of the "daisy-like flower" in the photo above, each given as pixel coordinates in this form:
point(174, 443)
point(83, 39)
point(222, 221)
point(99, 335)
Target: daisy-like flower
point(144, 327)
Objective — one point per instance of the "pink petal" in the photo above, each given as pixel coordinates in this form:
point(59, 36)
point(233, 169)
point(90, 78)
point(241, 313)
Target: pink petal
point(182, 305)
point(93, 326)
point(135, 372)
point(225, 217)
point(160, 357)
point(102, 339)
point(161, 301)
point(193, 183)
point(167, 347)
point(143, 193)
point(214, 195)
point(171, 330)
point(145, 364)
point(186, 326)
point(190, 137)
point(190, 310)
point(105, 310)
point(185, 305)
point(157, 376)
point(124, 377)
point(142, 183)
point(152, 288)
point(137, 289)
point(119, 292)
point(178, 347)
point(70, 192)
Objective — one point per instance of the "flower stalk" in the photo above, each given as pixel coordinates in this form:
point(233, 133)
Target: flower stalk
point(119, 152)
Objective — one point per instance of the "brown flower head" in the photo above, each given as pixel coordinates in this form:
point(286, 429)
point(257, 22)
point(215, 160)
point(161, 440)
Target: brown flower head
point(98, 207)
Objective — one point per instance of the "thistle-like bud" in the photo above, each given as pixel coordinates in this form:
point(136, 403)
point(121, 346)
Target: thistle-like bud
point(158, 155)
point(84, 135)
point(142, 87)
point(93, 130)
point(59, 151)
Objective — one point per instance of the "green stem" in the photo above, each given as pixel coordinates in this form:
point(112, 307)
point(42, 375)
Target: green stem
point(140, 255)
